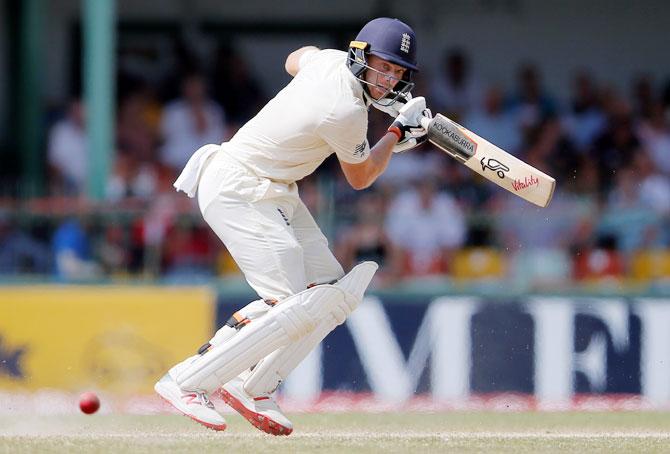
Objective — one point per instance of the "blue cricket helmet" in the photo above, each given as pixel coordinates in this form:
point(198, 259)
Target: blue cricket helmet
point(390, 39)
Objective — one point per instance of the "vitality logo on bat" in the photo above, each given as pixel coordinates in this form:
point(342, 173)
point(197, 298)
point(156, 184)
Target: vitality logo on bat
point(527, 182)
point(493, 164)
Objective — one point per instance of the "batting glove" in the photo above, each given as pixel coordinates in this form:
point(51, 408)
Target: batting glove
point(393, 109)
point(409, 143)
point(408, 122)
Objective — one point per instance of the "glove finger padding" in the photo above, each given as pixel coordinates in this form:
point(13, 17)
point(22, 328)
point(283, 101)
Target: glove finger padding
point(412, 111)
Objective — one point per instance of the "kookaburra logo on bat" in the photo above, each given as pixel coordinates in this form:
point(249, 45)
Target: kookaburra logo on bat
point(455, 139)
point(495, 165)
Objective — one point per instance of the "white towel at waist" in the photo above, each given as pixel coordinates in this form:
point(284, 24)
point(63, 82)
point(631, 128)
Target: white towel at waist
point(190, 176)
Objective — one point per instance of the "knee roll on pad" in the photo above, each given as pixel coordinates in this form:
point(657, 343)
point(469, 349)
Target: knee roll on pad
point(338, 315)
point(295, 319)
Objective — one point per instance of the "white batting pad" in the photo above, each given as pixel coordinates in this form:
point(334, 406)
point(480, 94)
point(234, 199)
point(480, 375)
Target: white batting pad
point(288, 321)
point(357, 280)
point(274, 369)
point(222, 335)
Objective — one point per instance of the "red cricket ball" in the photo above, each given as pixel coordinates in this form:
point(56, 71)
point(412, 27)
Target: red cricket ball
point(89, 402)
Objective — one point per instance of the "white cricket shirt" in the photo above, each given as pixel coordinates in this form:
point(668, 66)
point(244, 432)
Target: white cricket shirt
point(319, 112)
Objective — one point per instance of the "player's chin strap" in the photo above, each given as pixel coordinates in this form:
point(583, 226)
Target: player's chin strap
point(274, 369)
point(287, 323)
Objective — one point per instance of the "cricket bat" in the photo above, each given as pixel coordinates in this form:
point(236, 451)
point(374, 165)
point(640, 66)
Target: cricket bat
point(491, 162)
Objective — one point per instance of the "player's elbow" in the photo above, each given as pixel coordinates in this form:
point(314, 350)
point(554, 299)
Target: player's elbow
point(291, 67)
point(360, 183)
point(359, 176)
point(292, 64)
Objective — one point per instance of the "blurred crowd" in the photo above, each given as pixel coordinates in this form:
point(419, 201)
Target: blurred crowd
point(428, 218)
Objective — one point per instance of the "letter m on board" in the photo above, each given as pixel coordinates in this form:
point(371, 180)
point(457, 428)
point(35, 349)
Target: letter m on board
point(443, 337)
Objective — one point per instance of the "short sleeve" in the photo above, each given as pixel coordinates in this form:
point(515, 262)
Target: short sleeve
point(345, 131)
point(307, 57)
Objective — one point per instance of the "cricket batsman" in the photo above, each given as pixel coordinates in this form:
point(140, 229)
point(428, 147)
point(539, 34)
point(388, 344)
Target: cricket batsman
point(248, 195)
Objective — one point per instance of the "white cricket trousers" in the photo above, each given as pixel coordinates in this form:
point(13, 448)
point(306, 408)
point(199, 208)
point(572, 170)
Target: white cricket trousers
point(266, 228)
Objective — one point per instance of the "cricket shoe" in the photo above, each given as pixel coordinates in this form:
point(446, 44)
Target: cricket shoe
point(262, 411)
point(195, 405)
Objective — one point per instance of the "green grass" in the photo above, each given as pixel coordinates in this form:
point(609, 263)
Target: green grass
point(348, 432)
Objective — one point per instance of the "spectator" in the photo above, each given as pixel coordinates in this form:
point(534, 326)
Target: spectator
point(617, 146)
point(532, 105)
point(67, 152)
point(426, 226)
point(654, 194)
point(586, 179)
point(190, 252)
point(548, 149)
point(455, 90)
point(626, 218)
point(665, 98)
point(470, 190)
point(131, 178)
point(137, 125)
point(20, 253)
point(235, 88)
point(522, 225)
point(366, 239)
point(151, 232)
point(112, 248)
point(654, 132)
point(643, 96)
point(625, 194)
point(72, 251)
point(494, 123)
point(189, 123)
point(585, 120)
point(654, 187)
point(405, 168)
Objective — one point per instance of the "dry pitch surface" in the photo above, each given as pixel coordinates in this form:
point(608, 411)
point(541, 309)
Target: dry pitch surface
point(346, 432)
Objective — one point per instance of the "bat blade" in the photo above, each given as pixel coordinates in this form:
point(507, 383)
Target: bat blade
point(490, 161)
